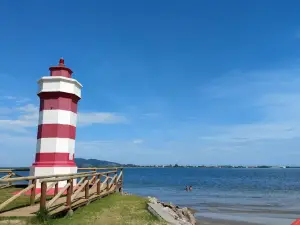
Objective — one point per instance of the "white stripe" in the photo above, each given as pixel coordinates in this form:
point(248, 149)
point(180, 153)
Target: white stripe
point(60, 84)
point(48, 171)
point(62, 145)
point(58, 117)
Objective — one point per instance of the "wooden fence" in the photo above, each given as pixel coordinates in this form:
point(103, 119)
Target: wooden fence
point(9, 173)
point(90, 186)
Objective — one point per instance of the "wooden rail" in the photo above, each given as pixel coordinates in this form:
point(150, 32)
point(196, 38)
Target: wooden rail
point(12, 173)
point(8, 174)
point(14, 169)
point(91, 186)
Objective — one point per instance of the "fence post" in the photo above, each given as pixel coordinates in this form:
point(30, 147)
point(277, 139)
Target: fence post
point(86, 188)
point(32, 195)
point(107, 183)
point(69, 193)
point(99, 185)
point(10, 176)
point(56, 189)
point(121, 182)
point(43, 195)
point(116, 181)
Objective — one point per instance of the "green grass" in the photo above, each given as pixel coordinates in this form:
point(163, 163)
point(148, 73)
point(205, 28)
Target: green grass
point(114, 209)
point(23, 200)
point(7, 193)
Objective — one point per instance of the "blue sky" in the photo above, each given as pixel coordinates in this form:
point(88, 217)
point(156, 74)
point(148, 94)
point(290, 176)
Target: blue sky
point(189, 82)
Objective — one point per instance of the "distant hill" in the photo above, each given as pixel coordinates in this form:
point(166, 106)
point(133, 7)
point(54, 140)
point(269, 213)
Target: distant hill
point(80, 162)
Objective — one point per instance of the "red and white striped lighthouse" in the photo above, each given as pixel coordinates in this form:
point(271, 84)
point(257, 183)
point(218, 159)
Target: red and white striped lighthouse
point(59, 94)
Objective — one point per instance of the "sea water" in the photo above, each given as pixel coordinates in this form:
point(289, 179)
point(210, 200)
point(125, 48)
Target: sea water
point(263, 196)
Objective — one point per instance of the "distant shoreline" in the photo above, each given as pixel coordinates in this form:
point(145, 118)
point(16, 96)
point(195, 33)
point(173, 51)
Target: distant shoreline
point(165, 167)
point(200, 167)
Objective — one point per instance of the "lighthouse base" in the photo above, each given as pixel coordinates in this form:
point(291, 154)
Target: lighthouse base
point(52, 171)
point(51, 191)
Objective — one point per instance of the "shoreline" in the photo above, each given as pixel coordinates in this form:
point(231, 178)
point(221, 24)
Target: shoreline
point(173, 214)
point(186, 215)
point(211, 221)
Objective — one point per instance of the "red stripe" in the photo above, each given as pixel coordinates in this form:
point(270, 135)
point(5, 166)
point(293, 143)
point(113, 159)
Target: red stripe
point(54, 164)
point(297, 222)
point(38, 190)
point(53, 159)
point(60, 71)
point(56, 130)
point(58, 100)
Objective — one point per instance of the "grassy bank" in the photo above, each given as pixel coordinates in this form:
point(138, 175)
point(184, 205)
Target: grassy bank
point(111, 210)
point(6, 193)
point(23, 200)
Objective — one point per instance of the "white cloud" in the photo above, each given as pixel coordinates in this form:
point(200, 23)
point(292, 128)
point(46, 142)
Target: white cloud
point(27, 116)
point(18, 138)
point(6, 110)
point(254, 132)
point(8, 97)
point(23, 116)
point(122, 151)
point(151, 114)
point(268, 133)
point(29, 108)
point(16, 99)
point(138, 141)
point(272, 99)
point(100, 117)
point(19, 116)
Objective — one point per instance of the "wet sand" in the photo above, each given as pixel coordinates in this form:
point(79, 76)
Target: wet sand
point(208, 221)
point(211, 221)
point(246, 217)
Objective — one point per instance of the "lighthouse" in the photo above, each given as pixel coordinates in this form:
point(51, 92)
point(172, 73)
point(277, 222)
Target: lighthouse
point(59, 95)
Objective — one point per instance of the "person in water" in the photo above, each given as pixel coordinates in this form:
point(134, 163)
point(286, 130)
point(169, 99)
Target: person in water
point(186, 188)
point(191, 188)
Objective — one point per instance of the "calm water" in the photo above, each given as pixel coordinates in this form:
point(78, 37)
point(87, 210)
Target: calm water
point(264, 196)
